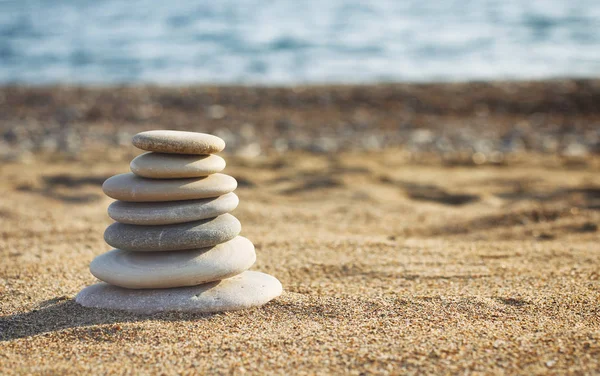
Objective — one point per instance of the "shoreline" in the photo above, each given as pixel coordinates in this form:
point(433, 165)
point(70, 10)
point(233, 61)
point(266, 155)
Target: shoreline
point(320, 84)
point(481, 121)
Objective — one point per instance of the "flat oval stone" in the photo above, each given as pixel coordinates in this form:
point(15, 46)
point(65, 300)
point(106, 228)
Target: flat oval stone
point(164, 213)
point(145, 270)
point(246, 290)
point(173, 166)
point(190, 235)
point(178, 142)
point(129, 187)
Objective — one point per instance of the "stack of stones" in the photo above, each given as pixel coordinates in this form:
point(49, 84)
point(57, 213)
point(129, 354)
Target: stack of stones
point(176, 246)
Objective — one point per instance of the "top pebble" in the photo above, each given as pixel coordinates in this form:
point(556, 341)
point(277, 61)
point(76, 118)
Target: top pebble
point(178, 142)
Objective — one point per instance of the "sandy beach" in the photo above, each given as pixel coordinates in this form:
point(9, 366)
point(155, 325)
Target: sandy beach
point(420, 229)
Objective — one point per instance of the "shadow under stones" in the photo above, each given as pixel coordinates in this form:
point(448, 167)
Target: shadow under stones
point(63, 313)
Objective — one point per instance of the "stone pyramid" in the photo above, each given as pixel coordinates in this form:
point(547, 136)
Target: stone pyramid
point(177, 248)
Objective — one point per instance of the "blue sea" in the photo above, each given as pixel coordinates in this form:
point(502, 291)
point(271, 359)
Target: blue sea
point(275, 42)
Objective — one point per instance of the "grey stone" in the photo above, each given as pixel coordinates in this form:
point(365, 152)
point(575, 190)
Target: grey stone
point(145, 270)
point(173, 166)
point(189, 235)
point(178, 142)
point(245, 290)
point(170, 212)
point(129, 187)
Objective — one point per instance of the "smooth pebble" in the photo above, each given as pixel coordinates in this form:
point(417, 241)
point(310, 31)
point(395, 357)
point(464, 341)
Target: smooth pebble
point(173, 166)
point(144, 270)
point(178, 142)
point(245, 290)
point(129, 187)
point(170, 212)
point(189, 235)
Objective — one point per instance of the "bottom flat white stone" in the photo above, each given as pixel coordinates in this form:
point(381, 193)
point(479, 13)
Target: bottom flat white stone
point(245, 290)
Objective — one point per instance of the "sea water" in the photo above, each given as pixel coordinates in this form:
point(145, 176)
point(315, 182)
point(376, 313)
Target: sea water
point(296, 41)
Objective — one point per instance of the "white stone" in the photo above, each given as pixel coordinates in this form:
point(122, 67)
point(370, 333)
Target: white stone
point(246, 290)
point(164, 213)
point(174, 166)
point(130, 187)
point(147, 270)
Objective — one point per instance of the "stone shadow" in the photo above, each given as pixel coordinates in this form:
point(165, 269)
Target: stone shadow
point(64, 313)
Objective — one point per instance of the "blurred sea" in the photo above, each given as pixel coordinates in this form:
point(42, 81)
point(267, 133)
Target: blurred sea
point(296, 41)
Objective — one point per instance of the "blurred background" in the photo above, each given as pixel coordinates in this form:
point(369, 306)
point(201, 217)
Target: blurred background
point(296, 42)
point(450, 80)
